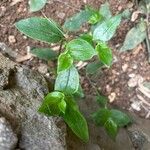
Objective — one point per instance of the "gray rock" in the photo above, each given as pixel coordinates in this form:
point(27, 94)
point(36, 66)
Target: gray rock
point(139, 133)
point(138, 139)
point(21, 94)
point(8, 139)
point(7, 51)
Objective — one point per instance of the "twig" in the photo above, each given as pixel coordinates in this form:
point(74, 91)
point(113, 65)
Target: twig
point(148, 46)
point(60, 48)
point(91, 83)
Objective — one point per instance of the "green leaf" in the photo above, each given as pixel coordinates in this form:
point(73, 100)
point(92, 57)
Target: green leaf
point(76, 122)
point(120, 118)
point(71, 102)
point(41, 29)
point(93, 67)
point(79, 93)
point(67, 81)
point(36, 5)
point(44, 53)
point(65, 61)
point(107, 29)
point(134, 37)
point(80, 49)
point(95, 17)
point(52, 104)
point(111, 128)
point(104, 53)
point(87, 37)
point(62, 106)
point(102, 100)
point(74, 23)
point(101, 116)
point(105, 11)
point(126, 14)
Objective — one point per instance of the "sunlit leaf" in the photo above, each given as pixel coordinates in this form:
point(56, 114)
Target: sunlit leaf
point(67, 81)
point(95, 17)
point(106, 30)
point(80, 49)
point(104, 53)
point(111, 128)
point(65, 61)
point(52, 104)
point(41, 29)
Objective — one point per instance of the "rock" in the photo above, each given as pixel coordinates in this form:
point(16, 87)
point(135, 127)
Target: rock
point(8, 139)
point(137, 139)
point(43, 68)
point(8, 51)
point(20, 97)
point(139, 133)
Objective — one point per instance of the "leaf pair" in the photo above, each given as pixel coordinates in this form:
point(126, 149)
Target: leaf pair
point(77, 49)
point(56, 103)
point(111, 120)
point(53, 104)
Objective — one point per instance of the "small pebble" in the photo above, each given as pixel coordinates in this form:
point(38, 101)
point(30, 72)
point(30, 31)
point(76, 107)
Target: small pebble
point(134, 66)
point(24, 37)
point(12, 39)
point(112, 97)
point(61, 15)
point(120, 8)
point(130, 5)
point(132, 75)
point(124, 67)
point(108, 88)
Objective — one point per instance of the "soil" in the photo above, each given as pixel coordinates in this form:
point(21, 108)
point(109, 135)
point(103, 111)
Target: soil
point(112, 82)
